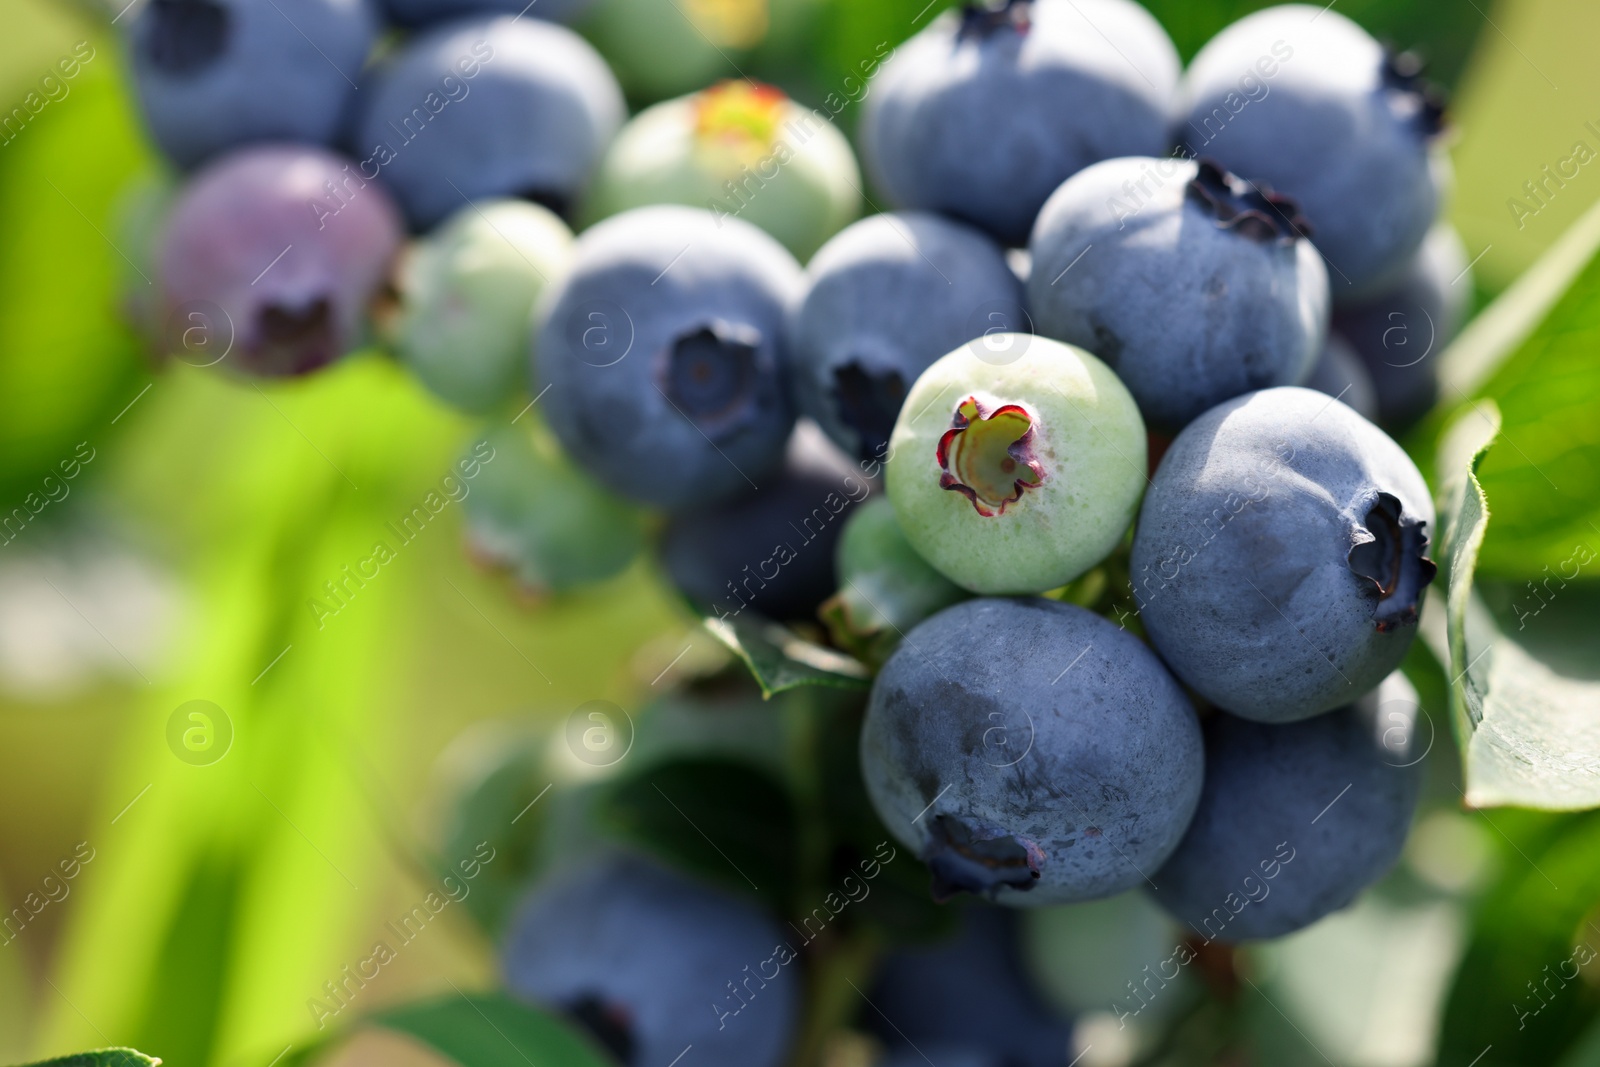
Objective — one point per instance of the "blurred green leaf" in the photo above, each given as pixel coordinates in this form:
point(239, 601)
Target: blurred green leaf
point(1529, 735)
point(497, 802)
point(475, 1030)
point(491, 1030)
point(67, 364)
point(1518, 997)
point(724, 820)
point(104, 1057)
point(1533, 351)
point(780, 659)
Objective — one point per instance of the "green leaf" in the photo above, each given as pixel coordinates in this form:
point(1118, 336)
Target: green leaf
point(492, 1030)
point(1518, 997)
point(104, 1057)
point(1530, 735)
point(476, 1030)
point(1533, 352)
point(724, 820)
point(780, 659)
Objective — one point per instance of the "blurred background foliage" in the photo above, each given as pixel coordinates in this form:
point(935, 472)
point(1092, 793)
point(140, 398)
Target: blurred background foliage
point(182, 562)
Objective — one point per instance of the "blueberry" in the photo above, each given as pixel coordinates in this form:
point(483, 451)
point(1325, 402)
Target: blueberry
point(653, 962)
point(985, 112)
point(488, 107)
point(1017, 467)
point(968, 997)
point(1340, 373)
point(736, 149)
point(1400, 332)
point(1296, 818)
point(769, 551)
point(271, 258)
point(885, 587)
point(885, 298)
point(215, 74)
point(1280, 558)
point(1031, 751)
point(466, 296)
point(1192, 285)
point(1301, 99)
point(534, 514)
point(661, 50)
point(415, 13)
point(663, 355)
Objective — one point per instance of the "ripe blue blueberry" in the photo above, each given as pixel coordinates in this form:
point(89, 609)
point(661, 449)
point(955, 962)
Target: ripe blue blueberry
point(1280, 557)
point(416, 13)
point(1192, 285)
point(1302, 100)
point(769, 551)
point(985, 112)
point(968, 997)
point(663, 355)
point(1400, 332)
point(885, 298)
point(1031, 752)
point(1296, 818)
point(488, 107)
point(271, 258)
point(650, 961)
point(215, 74)
point(1341, 373)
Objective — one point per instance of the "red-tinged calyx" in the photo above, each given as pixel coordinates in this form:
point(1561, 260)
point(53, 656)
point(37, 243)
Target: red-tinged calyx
point(980, 21)
point(744, 116)
point(987, 455)
point(1252, 211)
point(1390, 552)
point(964, 862)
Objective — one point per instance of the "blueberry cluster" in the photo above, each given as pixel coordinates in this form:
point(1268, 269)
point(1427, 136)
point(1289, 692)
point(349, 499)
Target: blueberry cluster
point(1078, 446)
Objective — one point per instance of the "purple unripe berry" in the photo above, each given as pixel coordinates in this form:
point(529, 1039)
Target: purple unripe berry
point(271, 258)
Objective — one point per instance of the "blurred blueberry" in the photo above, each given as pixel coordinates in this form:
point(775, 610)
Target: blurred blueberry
point(215, 74)
point(887, 297)
point(985, 112)
point(466, 293)
point(1400, 332)
point(967, 998)
point(653, 962)
point(660, 358)
point(1300, 99)
point(488, 107)
point(415, 13)
point(271, 259)
point(1340, 373)
point(769, 551)
point(1192, 285)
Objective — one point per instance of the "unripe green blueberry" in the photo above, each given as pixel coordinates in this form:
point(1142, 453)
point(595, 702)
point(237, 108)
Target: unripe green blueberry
point(466, 294)
point(534, 514)
point(1017, 464)
point(885, 587)
point(736, 149)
